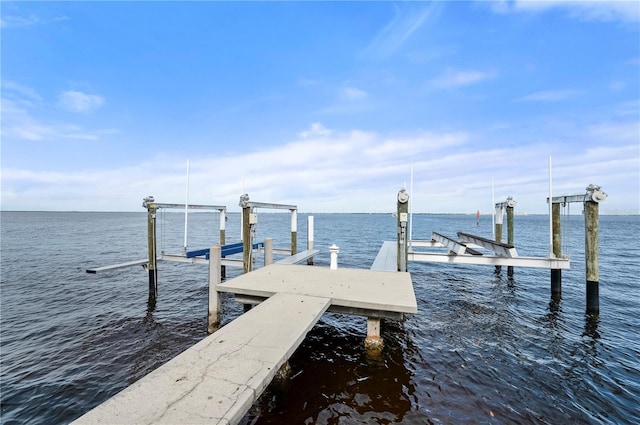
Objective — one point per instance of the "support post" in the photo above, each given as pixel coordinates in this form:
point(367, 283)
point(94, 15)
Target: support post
point(510, 229)
point(403, 218)
point(310, 238)
point(247, 245)
point(223, 225)
point(498, 229)
point(556, 274)
point(151, 241)
point(294, 232)
point(268, 251)
point(373, 343)
point(591, 207)
point(591, 256)
point(214, 280)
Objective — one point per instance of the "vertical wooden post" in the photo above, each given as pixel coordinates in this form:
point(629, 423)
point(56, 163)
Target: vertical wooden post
point(498, 229)
point(223, 225)
point(402, 219)
point(556, 274)
point(310, 238)
point(268, 251)
point(591, 206)
point(247, 245)
point(215, 259)
point(510, 231)
point(294, 232)
point(151, 239)
point(591, 256)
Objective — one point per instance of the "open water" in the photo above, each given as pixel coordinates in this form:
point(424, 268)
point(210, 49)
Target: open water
point(483, 347)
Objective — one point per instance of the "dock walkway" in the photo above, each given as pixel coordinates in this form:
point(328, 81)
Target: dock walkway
point(218, 379)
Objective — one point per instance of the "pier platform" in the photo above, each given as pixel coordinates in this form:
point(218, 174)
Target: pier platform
point(362, 292)
point(217, 380)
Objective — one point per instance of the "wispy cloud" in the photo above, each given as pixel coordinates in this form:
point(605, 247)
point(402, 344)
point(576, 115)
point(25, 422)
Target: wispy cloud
point(316, 129)
point(15, 21)
point(551, 96)
point(353, 93)
point(20, 93)
point(604, 11)
point(19, 124)
point(328, 170)
point(77, 101)
point(453, 78)
point(406, 21)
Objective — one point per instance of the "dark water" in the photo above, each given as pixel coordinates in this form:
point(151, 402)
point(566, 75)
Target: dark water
point(483, 348)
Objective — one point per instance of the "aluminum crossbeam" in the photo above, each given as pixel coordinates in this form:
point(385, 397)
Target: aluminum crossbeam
point(252, 204)
point(453, 246)
point(158, 205)
point(534, 262)
point(501, 249)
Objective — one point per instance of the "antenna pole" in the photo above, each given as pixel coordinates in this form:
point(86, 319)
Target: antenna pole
point(186, 209)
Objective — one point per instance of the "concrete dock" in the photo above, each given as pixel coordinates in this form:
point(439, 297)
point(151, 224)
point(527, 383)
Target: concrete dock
point(217, 380)
point(357, 291)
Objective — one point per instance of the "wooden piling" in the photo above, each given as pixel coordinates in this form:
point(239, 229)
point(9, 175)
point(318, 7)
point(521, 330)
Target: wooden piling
point(223, 225)
point(591, 256)
point(498, 230)
point(556, 274)
point(510, 232)
point(152, 267)
point(247, 250)
point(310, 238)
point(294, 232)
point(215, 260)
point(402, 219)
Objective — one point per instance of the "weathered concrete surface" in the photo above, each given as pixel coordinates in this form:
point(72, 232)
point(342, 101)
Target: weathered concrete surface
point(387, 258)
point(355, 288)
point(217, 380)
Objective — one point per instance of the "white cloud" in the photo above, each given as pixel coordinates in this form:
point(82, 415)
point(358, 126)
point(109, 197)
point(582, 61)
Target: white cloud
point(453, 78)
point(316, 129)
point(15, 21)
point(77, 101)
point(352, 93)
point(607, 11)
point(21, 94)
point(406, 21)
point(551, 96)
point(356, 171)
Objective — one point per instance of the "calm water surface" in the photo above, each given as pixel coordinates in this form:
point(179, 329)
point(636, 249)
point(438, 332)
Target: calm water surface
point(483, 347)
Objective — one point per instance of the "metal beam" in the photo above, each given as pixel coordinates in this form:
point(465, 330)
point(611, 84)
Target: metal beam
point(252, 204)
point(535, 262)
point(501, 249)
point(453, 245)
point(159, 205)
point(425, 244)
point(568, 198)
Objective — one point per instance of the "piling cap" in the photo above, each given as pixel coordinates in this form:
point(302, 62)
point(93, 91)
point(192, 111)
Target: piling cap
point(334, 248)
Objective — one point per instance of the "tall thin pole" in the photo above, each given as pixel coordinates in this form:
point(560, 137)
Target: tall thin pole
point(493, 215)
point(551, 254)
point(186, 209)
point(411, 208)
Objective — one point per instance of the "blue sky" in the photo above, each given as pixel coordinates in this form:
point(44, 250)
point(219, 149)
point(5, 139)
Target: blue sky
point(326, 105)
